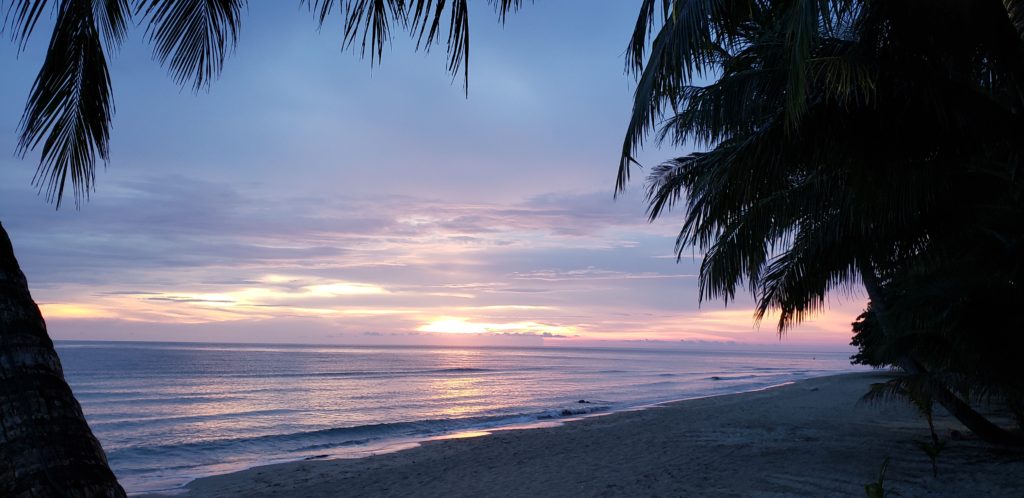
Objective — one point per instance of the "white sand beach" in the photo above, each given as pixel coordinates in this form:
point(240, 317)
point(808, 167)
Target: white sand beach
point(811, 438)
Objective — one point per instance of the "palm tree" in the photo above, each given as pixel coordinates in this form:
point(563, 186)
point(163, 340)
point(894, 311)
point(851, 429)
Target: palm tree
point(847, 141)
point(46, 446)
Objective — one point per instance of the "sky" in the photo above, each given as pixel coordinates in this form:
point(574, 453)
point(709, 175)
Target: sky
point(309, 197)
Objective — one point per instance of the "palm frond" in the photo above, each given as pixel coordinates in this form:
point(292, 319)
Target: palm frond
point(700, 37)
point(193, 37)
point(1015, 11)
point(686, 45)
point(894, 389)
point(426, 18)
point(21, 17)
point(113, 18)
point(800, 30)
point(370, 24)
point(636, 53)
point(458, 41)
point(506, 7)
point(69, 107)
point(798, 282)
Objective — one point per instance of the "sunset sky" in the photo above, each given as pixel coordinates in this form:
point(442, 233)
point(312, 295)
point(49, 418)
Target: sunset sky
point(312, 198)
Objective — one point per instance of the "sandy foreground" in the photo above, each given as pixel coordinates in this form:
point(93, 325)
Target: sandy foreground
point(811, 438)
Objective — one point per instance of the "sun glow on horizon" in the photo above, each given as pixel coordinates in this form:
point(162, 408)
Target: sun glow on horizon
point(456, 325)
point(466, 293)
point(68, 310)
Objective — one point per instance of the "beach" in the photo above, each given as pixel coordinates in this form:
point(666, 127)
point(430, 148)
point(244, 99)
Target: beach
point(808, 438)
point(169, 413)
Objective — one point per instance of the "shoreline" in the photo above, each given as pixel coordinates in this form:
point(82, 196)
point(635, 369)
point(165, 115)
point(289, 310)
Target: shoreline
point(403, 443)
point(806, 437)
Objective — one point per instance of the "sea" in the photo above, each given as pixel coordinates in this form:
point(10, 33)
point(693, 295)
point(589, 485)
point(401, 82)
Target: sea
point(167, 413)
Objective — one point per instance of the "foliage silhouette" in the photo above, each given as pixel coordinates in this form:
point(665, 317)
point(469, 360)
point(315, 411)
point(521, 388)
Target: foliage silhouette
point(848, 142)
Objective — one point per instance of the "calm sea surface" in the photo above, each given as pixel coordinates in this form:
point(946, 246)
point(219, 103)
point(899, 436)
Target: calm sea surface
point(169, 412)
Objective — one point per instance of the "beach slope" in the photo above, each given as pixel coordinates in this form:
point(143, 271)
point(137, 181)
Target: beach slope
point(811, 438)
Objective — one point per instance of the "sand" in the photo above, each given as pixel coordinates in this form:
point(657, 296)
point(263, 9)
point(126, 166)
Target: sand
point(811, 438)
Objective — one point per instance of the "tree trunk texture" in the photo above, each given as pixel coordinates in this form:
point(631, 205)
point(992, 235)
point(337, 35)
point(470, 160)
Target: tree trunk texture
point(46, 446)
point(974, 421)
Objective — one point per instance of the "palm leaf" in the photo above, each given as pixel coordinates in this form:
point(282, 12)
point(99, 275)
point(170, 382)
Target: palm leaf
point(70, 107)
point(21, 17)
point(425, 24)
point(113, 18)
point(193, 37)
point(369, 23)
point(684, 46)
point(1015, 11)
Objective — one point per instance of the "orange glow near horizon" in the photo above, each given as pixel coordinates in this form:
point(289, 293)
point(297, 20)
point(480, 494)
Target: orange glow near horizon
point(64, 310)
point(468, 308)
point(392, 315)
point(453, 325)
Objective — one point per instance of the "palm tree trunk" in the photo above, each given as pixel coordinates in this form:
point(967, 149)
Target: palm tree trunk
point(974, 421)
point(46, 447)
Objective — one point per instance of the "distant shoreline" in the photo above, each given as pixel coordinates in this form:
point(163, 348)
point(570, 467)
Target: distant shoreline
point(811, 437)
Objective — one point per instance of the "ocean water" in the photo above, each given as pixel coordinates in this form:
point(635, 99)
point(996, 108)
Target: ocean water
point(167, 413)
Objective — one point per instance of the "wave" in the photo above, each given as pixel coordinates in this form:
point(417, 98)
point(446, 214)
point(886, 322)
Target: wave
point(123, 423)
point(301, 443)
point(730, 377)
point(358, 373)
point(100, 388)
point(744, 377)
point(138, 398)
point(658, 384)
